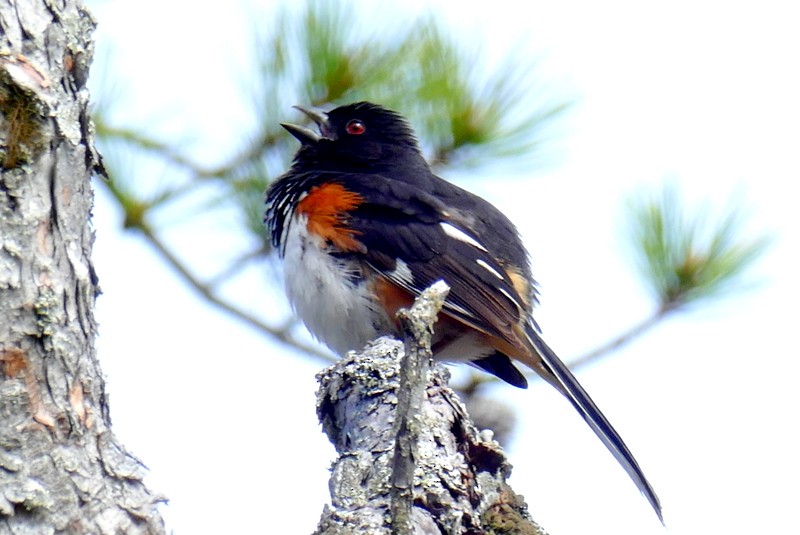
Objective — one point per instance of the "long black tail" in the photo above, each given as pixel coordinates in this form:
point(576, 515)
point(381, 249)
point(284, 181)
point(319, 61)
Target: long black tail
point(568, 385)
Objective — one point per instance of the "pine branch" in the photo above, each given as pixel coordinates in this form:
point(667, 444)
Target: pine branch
point(282, 333)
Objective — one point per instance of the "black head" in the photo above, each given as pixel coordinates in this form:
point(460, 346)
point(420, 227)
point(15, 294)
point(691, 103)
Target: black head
point(357, 136)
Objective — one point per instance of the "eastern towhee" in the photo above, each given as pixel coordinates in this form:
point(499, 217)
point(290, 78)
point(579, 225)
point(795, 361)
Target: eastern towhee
point(363, 226)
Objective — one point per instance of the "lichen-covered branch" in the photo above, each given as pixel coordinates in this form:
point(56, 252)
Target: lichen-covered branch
point(459, 478)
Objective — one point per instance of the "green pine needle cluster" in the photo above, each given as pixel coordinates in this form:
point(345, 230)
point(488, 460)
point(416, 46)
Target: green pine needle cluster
point(688, 258)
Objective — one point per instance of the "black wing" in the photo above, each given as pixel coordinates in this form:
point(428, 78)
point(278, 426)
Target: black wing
point(413, 241)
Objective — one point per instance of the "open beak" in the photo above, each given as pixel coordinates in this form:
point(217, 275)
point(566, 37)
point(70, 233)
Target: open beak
point(305, 135)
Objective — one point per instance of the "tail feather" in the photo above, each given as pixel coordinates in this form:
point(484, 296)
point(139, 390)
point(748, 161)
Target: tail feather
point(567, 384)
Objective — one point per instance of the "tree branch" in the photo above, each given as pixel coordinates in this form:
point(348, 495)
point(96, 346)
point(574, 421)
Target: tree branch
point(253, 151)
point(458, 484)
point(282, 333)
point(478, 379)
point(615, 343)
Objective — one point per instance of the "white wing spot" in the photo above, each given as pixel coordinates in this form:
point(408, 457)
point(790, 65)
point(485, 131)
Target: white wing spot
point(458, 234)
point(490, 269)
point(402, 273)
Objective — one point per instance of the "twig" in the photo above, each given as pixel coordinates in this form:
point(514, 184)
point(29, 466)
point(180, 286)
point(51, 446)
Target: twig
point(624, 338)
point(281, 333)
point(165, 150)
point(477, 379)
point(415, 366)
point(236, 266)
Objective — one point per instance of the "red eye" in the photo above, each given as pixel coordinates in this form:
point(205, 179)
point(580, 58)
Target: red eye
point(355, 128)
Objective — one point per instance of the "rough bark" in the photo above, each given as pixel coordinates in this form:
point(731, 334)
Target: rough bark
point(459, 476)
point(61, 468)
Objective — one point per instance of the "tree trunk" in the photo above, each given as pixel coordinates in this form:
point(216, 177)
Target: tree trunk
point(61, 468)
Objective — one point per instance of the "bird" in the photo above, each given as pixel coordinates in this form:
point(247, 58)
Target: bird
point(363, 226)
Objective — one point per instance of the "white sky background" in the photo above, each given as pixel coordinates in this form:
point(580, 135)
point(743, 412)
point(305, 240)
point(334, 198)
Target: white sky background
point(705, 92)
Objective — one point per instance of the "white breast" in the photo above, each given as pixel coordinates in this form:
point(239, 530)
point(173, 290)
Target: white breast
point(329, 294)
